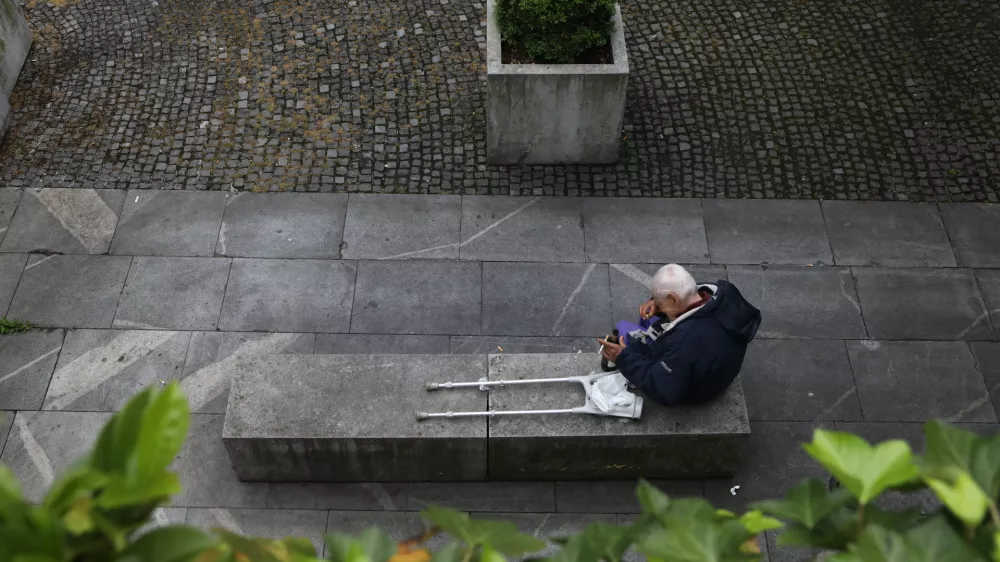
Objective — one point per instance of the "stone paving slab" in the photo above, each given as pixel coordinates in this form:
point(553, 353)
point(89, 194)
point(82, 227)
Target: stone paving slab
point(546, 299)
point(9, 198)
point(6, 421)
point(922, 304)
point(797, 302)
point(42, 445)
point(207, 472)
point(616, 496)
point(169, 223)
point(778, 232)
point(521, 497)
point(808, 380)
point(283, 225)
point(916, 381)
point(973, 230)
point(630, 285)
point(173, 293)
point(887, 234)
point(402, 227)
point(623, 230)
point(70, 221)
point(70, 291)
point(26, 364)
point(343, 344)
point(288, 296)
point(99, 370)
point(391, 496)
point(526, 230)
point(11, 266)
point(211, 358)
point(268, 523)
point(773, 460)
point(987, 356)
point(989, 284)
point(514, 344)
point(417, 297)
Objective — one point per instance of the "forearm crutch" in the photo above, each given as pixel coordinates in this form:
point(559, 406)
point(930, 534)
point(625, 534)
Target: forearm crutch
point(632, 411)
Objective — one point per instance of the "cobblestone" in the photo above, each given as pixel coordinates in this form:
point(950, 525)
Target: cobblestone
point(759, 98)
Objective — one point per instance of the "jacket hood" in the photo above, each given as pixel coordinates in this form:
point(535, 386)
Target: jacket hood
point(728, 307)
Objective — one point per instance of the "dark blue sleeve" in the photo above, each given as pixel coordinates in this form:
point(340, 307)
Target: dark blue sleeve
point(662, 377)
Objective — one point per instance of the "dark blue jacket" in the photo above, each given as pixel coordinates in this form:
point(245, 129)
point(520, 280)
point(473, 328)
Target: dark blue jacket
point(697, 358)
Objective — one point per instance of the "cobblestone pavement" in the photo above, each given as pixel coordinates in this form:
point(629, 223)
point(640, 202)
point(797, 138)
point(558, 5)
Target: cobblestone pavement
point(881, 100)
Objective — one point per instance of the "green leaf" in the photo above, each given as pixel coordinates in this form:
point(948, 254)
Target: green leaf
point(503, 537)
point(77, 519)
point(255, 549)
point(807, 503)
point(79, 480)
point(172, 543)
point(343, 548)
point(836, 531)
point(864, 470)
point(455, 523)
point(653, 501)
point(996, 546)
point(948, 445)
point(963, 497)
point(936, 541)
point(10, 489)
point(490, 555)
point(684, 539)
point(115, 450)
point(451, 552)
point(300, 546)
point(986, 465)
point(756, 522)
point(377, 544)
point(124, 493)
point(164, 428)
point(879, 545)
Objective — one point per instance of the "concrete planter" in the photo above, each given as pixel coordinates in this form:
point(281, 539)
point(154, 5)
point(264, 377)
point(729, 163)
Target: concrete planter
point(15, 40)
point(554, 113)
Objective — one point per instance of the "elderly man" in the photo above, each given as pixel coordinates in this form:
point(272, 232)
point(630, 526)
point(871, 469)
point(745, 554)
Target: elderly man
point(690, 343)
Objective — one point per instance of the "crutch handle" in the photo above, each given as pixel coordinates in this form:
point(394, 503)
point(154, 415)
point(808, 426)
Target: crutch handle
point(421, 416)
point(433, 385)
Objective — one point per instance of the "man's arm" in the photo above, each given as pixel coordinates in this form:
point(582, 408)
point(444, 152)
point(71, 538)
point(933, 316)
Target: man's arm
point(662, 378)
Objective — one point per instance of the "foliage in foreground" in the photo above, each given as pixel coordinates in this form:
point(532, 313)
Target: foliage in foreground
point(96, 509)
point(556, 31)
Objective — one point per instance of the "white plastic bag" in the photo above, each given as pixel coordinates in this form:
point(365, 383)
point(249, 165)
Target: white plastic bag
point(611, 392)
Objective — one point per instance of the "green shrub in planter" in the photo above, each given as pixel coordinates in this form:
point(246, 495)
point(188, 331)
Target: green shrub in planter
point(555, 30)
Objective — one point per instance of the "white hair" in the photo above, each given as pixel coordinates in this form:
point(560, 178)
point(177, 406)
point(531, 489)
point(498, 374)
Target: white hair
point(673, 279)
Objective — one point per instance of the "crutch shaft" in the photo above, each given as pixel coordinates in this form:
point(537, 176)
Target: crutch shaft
point(490, 414)
point(450, 385)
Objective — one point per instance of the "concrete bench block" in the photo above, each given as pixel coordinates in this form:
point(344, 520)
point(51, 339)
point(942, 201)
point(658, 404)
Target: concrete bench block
point(331, 418)
point(686, 442)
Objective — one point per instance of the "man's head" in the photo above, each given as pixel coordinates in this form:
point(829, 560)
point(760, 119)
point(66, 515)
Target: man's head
point(674, 290)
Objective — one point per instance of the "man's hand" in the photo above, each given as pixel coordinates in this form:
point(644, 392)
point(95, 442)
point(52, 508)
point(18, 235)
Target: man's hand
point(647, 309)
point(611, 350)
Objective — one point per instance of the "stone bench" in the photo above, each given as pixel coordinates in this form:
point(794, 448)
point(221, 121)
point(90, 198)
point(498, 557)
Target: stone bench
point(344, 418)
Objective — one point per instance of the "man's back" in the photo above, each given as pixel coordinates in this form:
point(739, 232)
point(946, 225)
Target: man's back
point(696, 357)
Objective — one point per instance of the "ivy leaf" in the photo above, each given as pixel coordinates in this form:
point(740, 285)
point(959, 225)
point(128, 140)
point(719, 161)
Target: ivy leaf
point(879, 545)
point(164, 427)
point(807, 503)
point(503, 537)
point(455, 523)
point(948, 445)
point(963, 497)
point(986, 465)
point(692, 540)
point(756, 522)
point(172, 543)
point(451, 552)
point(653, 501)
point(607, 541)
point(490, 555)
point(936, 541)
point(837, 531)
point(343, 548)
point(377, 544)
point(864, 470)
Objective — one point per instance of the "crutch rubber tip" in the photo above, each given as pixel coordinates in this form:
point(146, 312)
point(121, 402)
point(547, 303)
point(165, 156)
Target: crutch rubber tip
point(421, 416)
point(433, 386)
